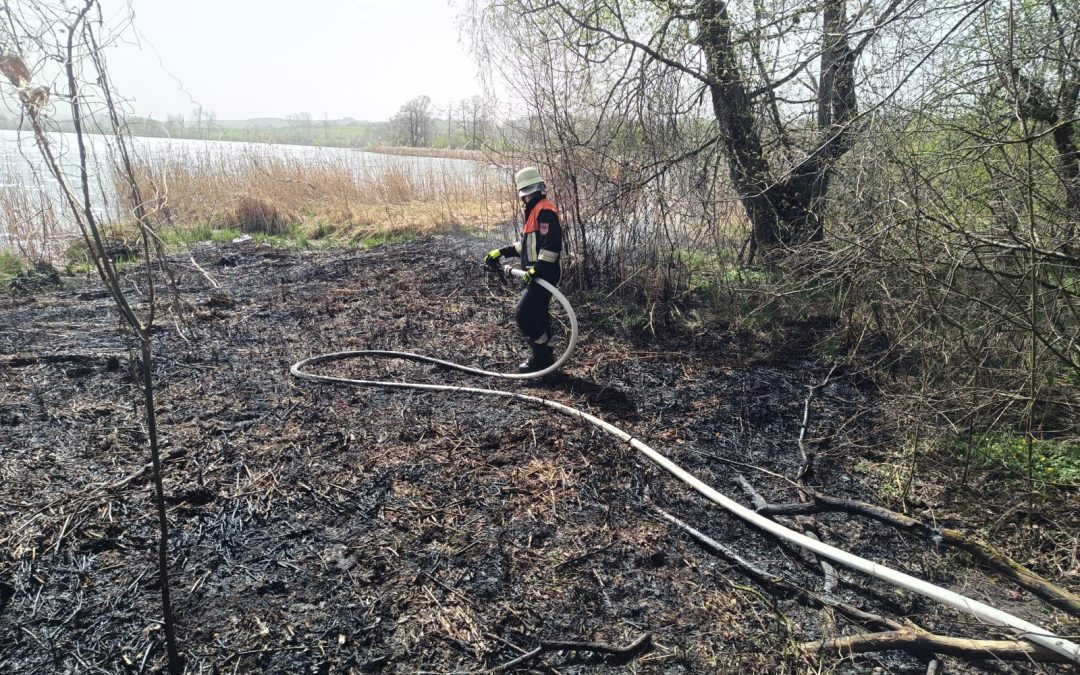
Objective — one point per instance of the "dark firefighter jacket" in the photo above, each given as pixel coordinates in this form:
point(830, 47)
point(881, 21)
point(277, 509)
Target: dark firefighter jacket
point(541, 240)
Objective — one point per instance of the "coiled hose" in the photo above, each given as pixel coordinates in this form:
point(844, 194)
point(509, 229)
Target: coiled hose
point(1025, 630)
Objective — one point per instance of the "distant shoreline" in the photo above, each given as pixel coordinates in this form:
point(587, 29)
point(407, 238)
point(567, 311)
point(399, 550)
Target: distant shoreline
point(437, 153)
point(378, 137)
point(401, 150)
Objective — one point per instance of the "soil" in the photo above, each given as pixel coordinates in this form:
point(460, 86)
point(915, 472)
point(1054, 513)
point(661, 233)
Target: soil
point(319, 529)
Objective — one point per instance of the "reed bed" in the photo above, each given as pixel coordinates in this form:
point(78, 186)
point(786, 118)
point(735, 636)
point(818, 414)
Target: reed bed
point(31, 222)
point(323, 195)
point(339, 195)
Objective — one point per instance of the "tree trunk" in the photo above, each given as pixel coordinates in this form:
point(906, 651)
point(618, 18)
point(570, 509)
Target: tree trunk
point(1068, 71)
point(176, 663)
point(1069, 157)
point(784, 210)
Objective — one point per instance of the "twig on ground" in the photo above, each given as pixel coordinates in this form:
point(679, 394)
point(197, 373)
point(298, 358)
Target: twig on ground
point(517, 649)
point(913, 640)
point(761, 506)
point(641, 644)
point(778, 583)
point(22, 360)
point(981, 551)
point(179, 452)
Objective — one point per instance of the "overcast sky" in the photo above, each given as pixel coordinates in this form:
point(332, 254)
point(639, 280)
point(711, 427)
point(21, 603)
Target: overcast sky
point(269, 58)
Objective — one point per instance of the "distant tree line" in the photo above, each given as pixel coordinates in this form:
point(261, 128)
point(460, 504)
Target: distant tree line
point(419, 123)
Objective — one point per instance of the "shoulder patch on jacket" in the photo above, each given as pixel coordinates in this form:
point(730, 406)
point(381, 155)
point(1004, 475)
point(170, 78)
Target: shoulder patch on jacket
point(544, 227)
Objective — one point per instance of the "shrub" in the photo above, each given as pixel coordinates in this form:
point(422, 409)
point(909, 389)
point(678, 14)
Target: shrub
point(16, 275)
point(120, 243)
point(255, 215)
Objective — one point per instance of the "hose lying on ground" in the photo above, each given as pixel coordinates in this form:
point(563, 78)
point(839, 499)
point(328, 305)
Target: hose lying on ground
point(571, 344)
point(984, 612)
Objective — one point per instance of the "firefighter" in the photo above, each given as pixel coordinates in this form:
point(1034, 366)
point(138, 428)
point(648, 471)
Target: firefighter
point(539, 249)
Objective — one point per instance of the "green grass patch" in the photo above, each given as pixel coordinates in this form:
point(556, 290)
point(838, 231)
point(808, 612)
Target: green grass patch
point(749, 276)
point(180, 237)
point(19, 274)
point(738, 297)
point(614, 314)
point(1050, 460)
point(707, 258)
point(293, 241)
point(296, 237)
point(86, 267)
point(744, 284)
point(11, 266)
point(387, 238)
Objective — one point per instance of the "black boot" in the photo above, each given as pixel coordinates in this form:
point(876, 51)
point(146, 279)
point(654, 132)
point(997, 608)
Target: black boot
point(541, 358)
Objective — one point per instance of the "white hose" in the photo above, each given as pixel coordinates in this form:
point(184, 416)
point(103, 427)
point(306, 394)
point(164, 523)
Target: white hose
point(1027, 631)
point(571, 344)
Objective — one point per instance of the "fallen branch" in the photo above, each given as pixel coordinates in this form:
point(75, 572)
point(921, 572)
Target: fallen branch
point(641, 644)
point(906, 637)
point(983, 552)
point(213, 282)
point(527, 656)
point(517, 649)
point(583, 557)
point(808, 528)
point(777, 583)
point(921, 641)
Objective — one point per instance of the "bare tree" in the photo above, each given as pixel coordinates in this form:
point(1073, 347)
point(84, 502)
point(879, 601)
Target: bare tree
point(475, 121)
point(300, 121)
point(935, 145)
point(74, 39)
point(175, 125)
point(955, 244)
point(211, 123)
point(413, 122)
point(198, 120)
point(1039, 80)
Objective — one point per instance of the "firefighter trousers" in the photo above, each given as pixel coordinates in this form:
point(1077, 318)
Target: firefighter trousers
point(532, 314)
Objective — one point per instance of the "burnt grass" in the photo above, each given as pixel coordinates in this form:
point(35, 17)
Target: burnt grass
point(319, 528)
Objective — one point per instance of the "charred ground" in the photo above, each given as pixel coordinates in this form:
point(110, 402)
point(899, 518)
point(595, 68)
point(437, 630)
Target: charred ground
point(328, 529)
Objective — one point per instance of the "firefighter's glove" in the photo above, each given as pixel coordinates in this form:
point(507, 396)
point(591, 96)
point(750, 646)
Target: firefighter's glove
point(529, 274)
point(492, 258)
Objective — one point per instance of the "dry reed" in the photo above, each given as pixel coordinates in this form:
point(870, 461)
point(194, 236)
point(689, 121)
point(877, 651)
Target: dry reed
point(325, 195)
point(30, 223)
point(343, 195)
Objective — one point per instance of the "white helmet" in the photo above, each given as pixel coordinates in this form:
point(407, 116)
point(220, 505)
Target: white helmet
point(528, 181)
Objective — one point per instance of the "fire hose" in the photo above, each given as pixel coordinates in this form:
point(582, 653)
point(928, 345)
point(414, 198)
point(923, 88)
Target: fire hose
point(1024, 629)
